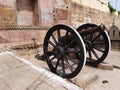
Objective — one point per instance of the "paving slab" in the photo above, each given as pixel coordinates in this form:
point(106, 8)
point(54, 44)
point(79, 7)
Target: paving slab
point(44, 86)
point(21, 80)
point(24, 75)
point(4, 86)
point(15, 64)
point(4, 67)
point(12, 71)
point(5, 59)
point(113, 58)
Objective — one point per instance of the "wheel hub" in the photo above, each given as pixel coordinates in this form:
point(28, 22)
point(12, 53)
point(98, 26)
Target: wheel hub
point(59, 51)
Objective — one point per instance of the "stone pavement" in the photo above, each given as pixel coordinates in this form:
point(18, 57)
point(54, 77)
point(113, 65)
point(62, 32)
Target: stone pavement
point(19, 74)
point(89, 78)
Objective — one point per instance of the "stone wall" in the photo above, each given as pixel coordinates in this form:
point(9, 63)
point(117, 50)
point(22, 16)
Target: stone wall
point(8, 36)
point(48, 13)
point(96, 4)
point(82, 14)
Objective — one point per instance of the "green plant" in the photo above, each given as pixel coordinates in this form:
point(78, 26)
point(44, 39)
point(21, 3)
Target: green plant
point(118, 12)
point(60, 75)
point(111, 8)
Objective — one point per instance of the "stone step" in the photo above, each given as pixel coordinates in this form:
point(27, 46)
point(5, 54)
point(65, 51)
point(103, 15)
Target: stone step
point(85, 80)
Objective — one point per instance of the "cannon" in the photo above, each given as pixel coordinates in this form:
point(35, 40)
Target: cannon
point(67, 50)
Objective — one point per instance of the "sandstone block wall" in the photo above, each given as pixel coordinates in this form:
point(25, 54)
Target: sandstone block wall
point(48, 13)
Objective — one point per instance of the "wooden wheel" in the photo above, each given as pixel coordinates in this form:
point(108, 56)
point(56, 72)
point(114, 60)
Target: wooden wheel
point(64, 51)
point(97, 45)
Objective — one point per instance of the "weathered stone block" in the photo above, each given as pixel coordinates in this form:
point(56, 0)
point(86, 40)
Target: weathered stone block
point(62, 14)
point(7, 16)
point(86, 79)
point(105, 66)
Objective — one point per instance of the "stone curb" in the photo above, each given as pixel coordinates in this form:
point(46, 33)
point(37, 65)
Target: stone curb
point(48, 74)
point(105, 66)
point(114, 65)
point(85, 80)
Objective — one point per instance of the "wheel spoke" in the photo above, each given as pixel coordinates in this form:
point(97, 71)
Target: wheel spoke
point(59, 36)
point(99, 49)
point(66, 33)
point(52, 59)
point(96, 37)
point(63, 67)
point(95, 54)
point(50, 53)
point(54, 39)
point(68, 64)
point(69, 44)
point(75, 61)
point(90, 54)
point(57, 64)
point(51, 43)
point(90, 60)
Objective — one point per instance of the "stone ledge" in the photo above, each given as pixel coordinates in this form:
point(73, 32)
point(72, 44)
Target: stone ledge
point(85, 80)
point(14, 45)
point(105, 66)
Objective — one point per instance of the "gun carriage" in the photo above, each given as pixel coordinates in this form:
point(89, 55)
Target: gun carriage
point(67, 50)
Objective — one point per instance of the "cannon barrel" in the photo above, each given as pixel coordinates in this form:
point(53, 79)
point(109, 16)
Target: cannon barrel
point(84, 32)
point(92, 30)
